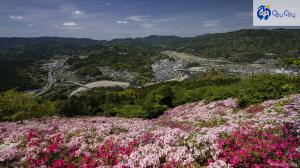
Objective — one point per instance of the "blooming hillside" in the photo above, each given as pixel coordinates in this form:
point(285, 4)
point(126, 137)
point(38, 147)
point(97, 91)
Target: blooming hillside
point(217, 134)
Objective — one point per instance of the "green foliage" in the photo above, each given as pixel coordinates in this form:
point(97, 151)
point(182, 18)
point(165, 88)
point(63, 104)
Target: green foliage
point(152, 101)
point(88, 71)
point(184, 95)
point(258, 88)
point(155, 110)
point(128, 111)
point(287, 61)
point(75, 106)
point(16, 106)
point(20, 73)
point(159, 100)
point(215, 93)
point(162, 95)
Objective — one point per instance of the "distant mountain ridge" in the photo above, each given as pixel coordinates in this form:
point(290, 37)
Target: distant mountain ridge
point(280, 41)
point(23, 41)
point(245, 45)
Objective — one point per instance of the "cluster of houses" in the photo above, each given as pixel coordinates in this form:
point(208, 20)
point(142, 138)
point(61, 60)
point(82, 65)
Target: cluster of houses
point(255, 70)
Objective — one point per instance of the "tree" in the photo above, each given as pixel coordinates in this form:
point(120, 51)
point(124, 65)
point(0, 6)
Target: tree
point(159, 100)
point(16, 106)
point(162, 95)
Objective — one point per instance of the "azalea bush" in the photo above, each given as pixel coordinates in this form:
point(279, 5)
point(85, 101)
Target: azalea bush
point(93, 142)
point(185, 136)
point(57, 152)
point(276, 147)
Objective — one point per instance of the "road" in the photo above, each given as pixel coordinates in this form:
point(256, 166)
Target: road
point(51, 79)
point(49, 84)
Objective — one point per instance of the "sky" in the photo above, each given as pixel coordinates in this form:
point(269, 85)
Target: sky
point(110, 19)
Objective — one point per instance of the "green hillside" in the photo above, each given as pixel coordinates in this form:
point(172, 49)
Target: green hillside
point(242, 45)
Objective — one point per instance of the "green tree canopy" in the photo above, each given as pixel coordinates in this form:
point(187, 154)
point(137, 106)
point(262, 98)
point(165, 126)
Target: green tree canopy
point(19, 106)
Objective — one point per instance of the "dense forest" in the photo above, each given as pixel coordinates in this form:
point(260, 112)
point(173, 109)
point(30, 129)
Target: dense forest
point(19, 58)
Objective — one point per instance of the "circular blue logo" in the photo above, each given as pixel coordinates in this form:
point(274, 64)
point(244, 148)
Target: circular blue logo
point(264, 12)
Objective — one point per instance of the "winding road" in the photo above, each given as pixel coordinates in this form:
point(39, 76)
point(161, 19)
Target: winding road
point(50, 83)
point(51, 79)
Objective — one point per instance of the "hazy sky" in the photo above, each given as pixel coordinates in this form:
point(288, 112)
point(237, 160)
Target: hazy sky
point(108, 19)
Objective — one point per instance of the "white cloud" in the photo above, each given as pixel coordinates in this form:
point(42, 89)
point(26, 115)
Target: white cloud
point(77, 12)
point(70, 24)
point(16, 17)
point(147, 25)
point(211, 23)
point(138, 18)
point(122, 21)
point(108, 3)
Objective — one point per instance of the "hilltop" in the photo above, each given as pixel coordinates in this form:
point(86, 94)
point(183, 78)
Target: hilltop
point(218, 134)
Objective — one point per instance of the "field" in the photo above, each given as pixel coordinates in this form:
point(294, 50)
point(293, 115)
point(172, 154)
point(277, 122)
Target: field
point(103, 83)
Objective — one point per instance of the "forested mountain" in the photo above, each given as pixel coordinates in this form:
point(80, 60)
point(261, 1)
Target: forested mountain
point(18, 56)
point(15, 42)
point(247, 45)
point(240, 45)
point(237, 45)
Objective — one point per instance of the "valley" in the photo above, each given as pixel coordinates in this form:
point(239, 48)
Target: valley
point(175, 67)
point(144, 61)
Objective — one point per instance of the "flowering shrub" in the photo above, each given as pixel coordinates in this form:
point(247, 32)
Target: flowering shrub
point(53, 149)
point(111, 153)
point(186, 136)
point(248, 147)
